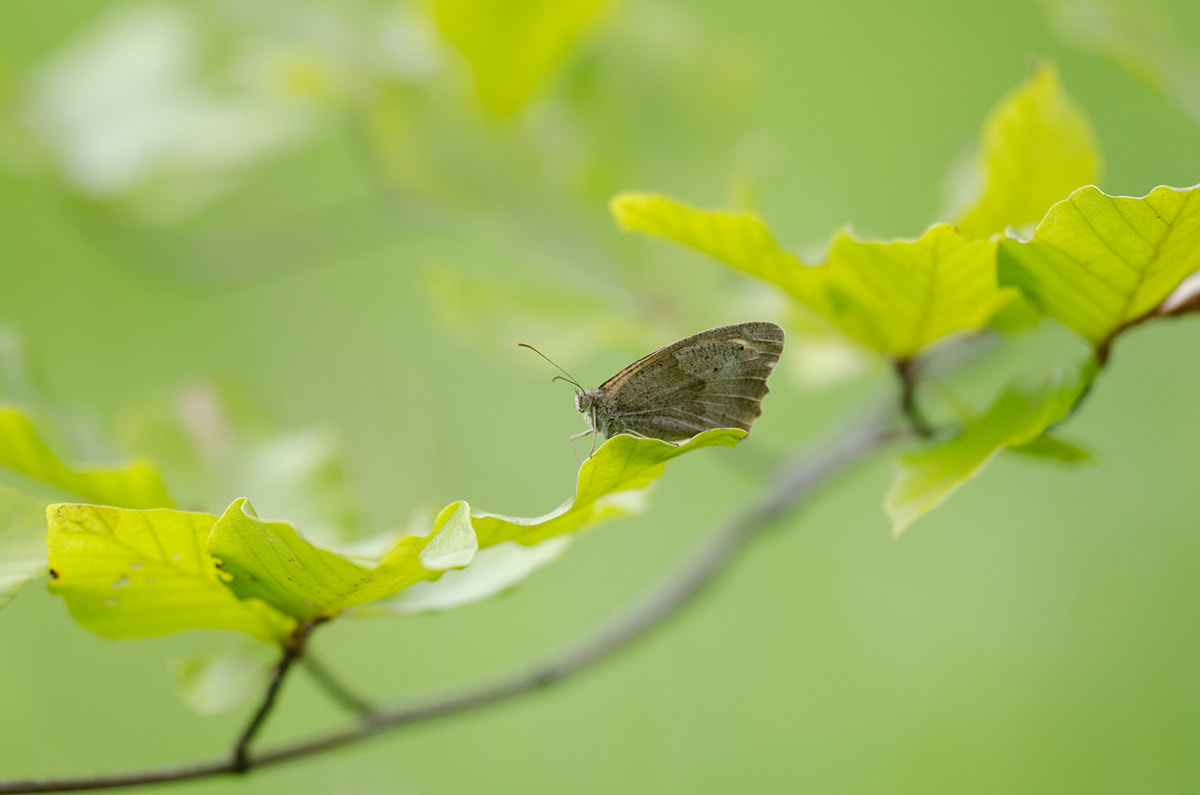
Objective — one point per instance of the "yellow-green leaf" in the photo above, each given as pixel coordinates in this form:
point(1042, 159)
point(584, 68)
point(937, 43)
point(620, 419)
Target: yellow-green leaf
point(612, 482)
point(134, 486)
point(137, 573)
point(513, 45)
point(899, 296)
point(1038, 146)
point(1100, 263)
point(740, 240)
point(926, 478)
point(894, 297)
point(272, 562)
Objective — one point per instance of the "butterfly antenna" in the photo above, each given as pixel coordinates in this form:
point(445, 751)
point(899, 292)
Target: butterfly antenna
point(569, 379)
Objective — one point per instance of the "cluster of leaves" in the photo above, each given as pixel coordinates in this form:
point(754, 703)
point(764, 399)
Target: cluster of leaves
point(1097, 264)
point(128, 564)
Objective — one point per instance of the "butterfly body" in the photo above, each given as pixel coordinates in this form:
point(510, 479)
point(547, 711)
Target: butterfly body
point(714, 379)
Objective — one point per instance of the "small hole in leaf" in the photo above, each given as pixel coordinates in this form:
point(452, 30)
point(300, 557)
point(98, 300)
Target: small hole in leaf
point(177, 556)
point(149, 580)
point(110, 603)
point(136, 566)
point(123, 582)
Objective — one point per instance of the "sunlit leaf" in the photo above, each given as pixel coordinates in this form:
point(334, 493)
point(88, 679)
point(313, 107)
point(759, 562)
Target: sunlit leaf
point(493, 571)
point(893, 297)
point(611, 483)
point(271, 561)
point(134, 486)
point(1038, 146)
point(740, 240)
point(925, 478)
point(130, 573)
point(513, 45)
point(22, 540)
point(1100, 263)
point(899, 296)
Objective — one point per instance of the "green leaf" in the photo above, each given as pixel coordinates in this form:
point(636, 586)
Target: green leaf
point(893, 297)
point(740, 240)
point(925, 478)
point(1100, 263)
point(612, 482)
point(272, 562)
point(210, 684)
point(899, 296)
point(134, 486)
point(1052, 448)
point(513, 45)
point(22, 540)
point(133, 573)
point(1037, 147)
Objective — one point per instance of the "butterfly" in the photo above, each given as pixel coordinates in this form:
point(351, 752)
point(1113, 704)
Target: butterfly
point(714, 379)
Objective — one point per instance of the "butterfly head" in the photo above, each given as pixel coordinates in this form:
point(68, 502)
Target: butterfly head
point(585, 399)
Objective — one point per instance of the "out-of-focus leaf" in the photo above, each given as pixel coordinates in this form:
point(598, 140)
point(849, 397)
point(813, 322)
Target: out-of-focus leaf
point(1100, 263)
point(210, 684)
point(494, 315)
point(130, 573)
point(1038, 146)
point(612, 482)
point(740, 240)
point(925, 478)
point(513, 45)
point(271, 561)
point(1137, 35)
point(493, 571)
point(213, 452)
point(899, 296)
point(1052, 448)
point(22, 540)
point(126, 113)
point(135, 486)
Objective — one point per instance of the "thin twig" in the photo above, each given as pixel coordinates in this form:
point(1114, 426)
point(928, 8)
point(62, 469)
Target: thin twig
point(293, 650)
point(796, 481)
point(337, 691)
point(906, 372)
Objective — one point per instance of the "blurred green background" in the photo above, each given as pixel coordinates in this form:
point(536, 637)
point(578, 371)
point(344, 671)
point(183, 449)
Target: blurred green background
point(310, 221)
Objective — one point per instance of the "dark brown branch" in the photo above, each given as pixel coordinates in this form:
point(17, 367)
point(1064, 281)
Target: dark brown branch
point(796, 481)
point(906, 372)
point(293, 650)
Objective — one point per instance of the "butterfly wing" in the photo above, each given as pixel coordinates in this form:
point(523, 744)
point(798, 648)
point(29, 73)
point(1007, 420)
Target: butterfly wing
point(714, 379)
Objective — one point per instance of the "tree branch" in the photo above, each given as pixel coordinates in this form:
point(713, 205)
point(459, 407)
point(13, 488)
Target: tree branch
point(293, 650)
point(795, 482)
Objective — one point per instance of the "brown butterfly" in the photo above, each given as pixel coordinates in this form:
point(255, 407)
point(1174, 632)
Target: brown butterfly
point(714, 379)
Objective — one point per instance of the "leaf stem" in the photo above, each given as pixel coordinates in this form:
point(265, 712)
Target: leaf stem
point(293, 650)
point(795, 481)
point(337, 691)
point(906, 371)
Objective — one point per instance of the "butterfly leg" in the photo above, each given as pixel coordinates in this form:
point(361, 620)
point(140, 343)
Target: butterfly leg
point(572, 439)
